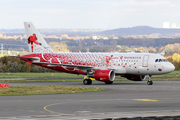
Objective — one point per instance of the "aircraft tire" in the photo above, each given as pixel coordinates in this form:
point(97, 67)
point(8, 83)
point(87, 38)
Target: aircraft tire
point(149, 82)
point(109, 82)
point(87, 81)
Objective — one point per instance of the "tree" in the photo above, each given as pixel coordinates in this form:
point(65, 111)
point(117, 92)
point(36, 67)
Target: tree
point(176, 57)
point(58, 46)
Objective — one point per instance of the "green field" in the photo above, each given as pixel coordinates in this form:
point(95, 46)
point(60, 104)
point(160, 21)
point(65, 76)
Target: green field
point(66, 75)
point(39, 75)
point(61, 77)
point(50, 89)
point(172, 74)
point(55, 89)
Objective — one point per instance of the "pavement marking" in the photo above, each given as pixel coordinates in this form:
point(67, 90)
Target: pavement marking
point(45, 107)
point(146, 100)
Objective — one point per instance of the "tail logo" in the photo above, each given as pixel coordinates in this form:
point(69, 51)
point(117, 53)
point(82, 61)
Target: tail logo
point(33, 39)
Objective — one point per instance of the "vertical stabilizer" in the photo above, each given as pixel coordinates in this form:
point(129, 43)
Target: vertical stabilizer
point(36, 42)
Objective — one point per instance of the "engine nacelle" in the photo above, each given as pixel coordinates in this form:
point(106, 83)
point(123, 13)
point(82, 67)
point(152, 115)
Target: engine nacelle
point(135, 77)
point(104, 75)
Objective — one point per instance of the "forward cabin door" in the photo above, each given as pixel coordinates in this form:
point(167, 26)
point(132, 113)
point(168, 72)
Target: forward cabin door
point(145, 61)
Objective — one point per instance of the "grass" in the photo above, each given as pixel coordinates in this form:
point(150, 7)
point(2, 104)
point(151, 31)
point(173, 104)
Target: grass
point(65, 75)
point(77, 80)
point(56, 89)
point(39, 75)
point(172, 74)
point(45, 77)
point(44, 80)
point(39, 90)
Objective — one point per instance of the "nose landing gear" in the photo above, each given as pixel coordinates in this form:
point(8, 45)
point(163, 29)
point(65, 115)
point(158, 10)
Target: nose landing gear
point(149, 82)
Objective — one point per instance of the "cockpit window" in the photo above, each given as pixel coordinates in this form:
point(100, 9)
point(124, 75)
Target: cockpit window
point(160, 60)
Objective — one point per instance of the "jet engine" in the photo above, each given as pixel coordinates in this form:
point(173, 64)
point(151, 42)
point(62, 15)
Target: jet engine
point(135, 77)
point(104, 75)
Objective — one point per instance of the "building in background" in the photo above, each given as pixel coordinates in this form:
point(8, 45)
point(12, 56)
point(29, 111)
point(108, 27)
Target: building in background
point(175, 25)
point(166, 25)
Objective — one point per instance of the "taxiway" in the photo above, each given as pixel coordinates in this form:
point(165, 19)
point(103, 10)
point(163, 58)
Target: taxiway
point(121, 96)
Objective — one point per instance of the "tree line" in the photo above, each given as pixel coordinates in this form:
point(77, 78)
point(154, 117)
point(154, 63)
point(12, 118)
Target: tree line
point(15, 65)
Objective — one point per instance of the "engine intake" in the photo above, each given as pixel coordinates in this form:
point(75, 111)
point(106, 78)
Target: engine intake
point(104, 75)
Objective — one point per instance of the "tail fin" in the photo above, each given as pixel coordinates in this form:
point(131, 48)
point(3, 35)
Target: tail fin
point(36, 42)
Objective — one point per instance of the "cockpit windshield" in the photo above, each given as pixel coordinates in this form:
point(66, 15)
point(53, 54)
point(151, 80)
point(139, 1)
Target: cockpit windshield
point(161, 60)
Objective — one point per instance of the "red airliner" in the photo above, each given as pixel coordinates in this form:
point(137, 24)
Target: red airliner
point(100, 66)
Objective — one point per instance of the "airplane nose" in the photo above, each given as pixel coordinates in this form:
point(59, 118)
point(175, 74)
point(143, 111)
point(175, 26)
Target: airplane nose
point(173, 67)
point(170, 67)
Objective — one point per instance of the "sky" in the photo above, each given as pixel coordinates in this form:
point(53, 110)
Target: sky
point(88, 14)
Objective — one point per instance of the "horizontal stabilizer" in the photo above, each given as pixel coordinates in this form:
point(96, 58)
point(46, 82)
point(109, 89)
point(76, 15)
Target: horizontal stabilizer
point(32, 59)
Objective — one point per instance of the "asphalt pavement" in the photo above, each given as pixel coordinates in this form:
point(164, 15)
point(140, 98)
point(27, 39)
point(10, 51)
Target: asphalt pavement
point(120, 97)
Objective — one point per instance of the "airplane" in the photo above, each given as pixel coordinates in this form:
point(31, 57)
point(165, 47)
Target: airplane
point(100, 66)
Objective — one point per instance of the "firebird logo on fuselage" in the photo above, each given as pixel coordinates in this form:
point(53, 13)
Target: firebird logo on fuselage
point(121, 57)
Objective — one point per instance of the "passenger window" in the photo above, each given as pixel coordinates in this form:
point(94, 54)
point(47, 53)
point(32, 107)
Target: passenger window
point(156, 60)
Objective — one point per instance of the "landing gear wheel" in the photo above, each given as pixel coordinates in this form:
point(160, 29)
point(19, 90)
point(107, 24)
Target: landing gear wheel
point(109, 82)
point(149, 82)
point(87, 81)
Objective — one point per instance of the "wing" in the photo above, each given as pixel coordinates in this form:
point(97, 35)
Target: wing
point(81, 67)
point(36, 60)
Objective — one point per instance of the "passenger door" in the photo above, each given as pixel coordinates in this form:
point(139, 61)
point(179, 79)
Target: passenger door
point(145, 61)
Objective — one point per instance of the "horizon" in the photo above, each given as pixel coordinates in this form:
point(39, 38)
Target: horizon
point(89, 28)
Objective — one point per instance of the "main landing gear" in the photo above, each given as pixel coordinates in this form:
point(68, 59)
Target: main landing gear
point(87, 81)
point(149, 82)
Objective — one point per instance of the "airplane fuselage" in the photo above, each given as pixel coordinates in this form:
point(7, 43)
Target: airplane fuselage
point(121, 63)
